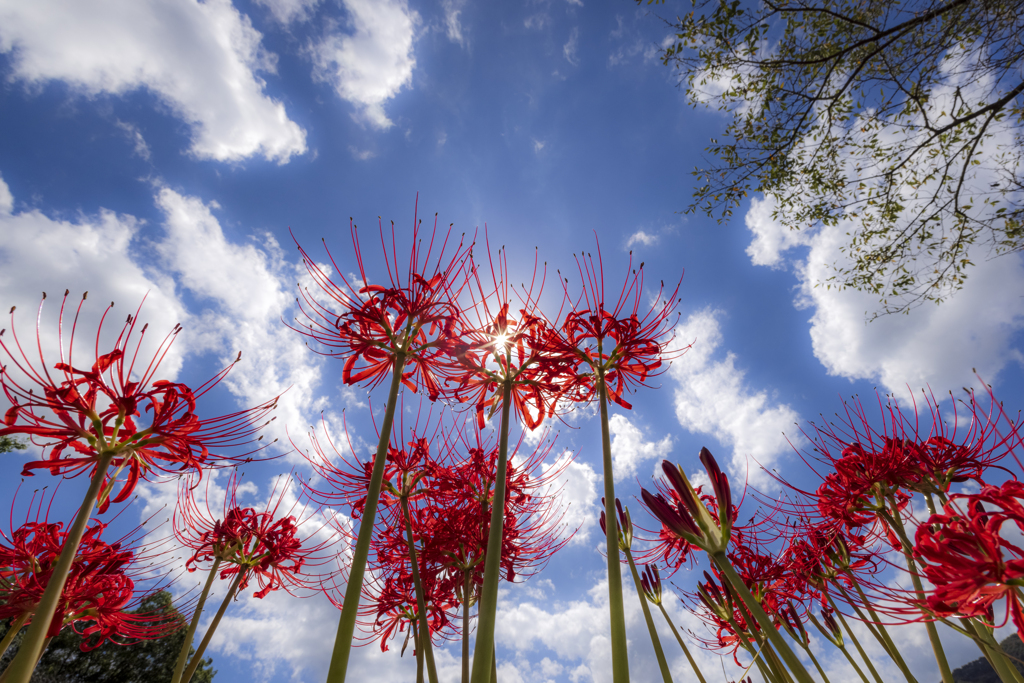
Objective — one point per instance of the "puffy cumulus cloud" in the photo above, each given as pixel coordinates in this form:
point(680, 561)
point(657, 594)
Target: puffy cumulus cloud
point(712, 398)
point(288, 11)
point(643, 238)
point(201, 58)
point(576, 489)
point(548, 638)
point(629, 448)
point(89, 253)
point(373, 63)
point(938, 346)
point(248, 288)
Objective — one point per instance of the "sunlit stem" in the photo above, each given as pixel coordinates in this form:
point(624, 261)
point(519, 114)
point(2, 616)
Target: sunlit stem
point(993, 652)
point(197, 658)
point(467, 585)
point(853, 638)
point(483, 653)
point(788, 656)
point(773, 661)
point(679, 639)
point(814, 660)
point(658, 652)
point(419, 651)
point(421, 603)
point(350, 606)
point(20, 669)
point(842, 648)
point(12, 632)
point(895, 522)
point(179, 668)
point(875, 626)
point(620, 658)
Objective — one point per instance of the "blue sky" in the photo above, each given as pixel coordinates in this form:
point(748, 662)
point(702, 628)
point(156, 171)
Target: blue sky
point(169, 147)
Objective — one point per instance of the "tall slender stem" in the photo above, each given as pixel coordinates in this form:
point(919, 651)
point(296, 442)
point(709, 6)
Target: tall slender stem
point(686, 650)
point(488, 606)
point(467, 581)
point(879, 630)
point(856, 643)
point(419, 651)
point(350, 606)
point(421, 602)
point(20, 669)
point(179, 668)
point(896, 522)
point(658, 652)
point(12, 632)
point(620, 656)
point(789, 657)
point(197, 658)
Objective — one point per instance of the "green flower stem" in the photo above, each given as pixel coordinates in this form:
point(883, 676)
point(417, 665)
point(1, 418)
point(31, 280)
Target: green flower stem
point(467, 585)
point(814, 660)
point(179, 668)
point(797, 668)
point(1004, 668)
point(488, 607)
point(773, 661)
point(494, 665)
point(895, 522)
point(879, 630)
point(12, 632)
point(421, 603)
point(840, 646)
point(198, 656)
point(856, 643)
point(350, 606)
point(658, 652)
point(419, 651)
point(686, 650)
point(20, 669)
point(620, 657)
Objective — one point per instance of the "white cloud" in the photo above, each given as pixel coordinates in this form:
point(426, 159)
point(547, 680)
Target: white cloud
point(288, 11)
point(249, 289)
point(629, 448)
point(571, 47)
point(770, 239)
point(452, 20)
point(537, 21)
point(201, 59)
point(641, 237)
point(89, 253)
point(712, 398)
point(576, 488)
point(373, 63)
point(538, 145)
point(135, 136)
point(361, 154)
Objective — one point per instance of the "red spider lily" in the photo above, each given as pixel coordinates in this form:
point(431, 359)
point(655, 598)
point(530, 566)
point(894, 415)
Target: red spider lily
point(613, 341)
point(97, 413)
point(368, 325)
point(97, 594)
point(281, 546)
point(879, 466)
point(499, 348)
point(967, 559)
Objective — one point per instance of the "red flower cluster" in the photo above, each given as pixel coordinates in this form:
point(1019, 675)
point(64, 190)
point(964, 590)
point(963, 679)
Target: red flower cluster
point(968, 560)
point(96, 596)
point(97, 414)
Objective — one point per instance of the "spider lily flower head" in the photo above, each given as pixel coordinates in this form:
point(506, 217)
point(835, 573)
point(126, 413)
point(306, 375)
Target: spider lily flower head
point(501, 341)
point(410, 316)
point(623, 341)
point(281, 546)
point(689, 518)
point(967, 559)
point(828, 626)
point(100, 587)
point(86, 417)
point(625, 526)
point(650, 581)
